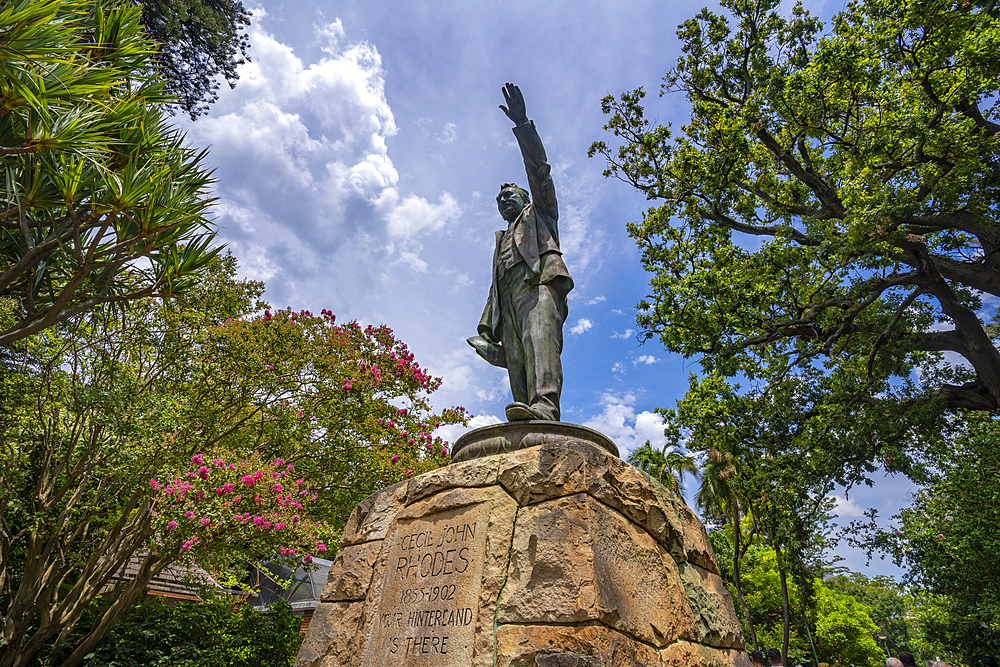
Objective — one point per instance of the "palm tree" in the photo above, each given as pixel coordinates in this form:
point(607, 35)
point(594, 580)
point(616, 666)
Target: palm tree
point(667, 467)
point(718, 500)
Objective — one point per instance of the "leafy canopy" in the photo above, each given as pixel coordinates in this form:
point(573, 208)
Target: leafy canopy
point(830, 208)
point(192, 430)
point(95, 183)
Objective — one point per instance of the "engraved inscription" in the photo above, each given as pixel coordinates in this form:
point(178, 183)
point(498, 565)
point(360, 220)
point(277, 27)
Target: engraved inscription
point(430, 593)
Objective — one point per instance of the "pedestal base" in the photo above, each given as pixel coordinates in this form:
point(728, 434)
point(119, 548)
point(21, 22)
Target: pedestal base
point(559, 555)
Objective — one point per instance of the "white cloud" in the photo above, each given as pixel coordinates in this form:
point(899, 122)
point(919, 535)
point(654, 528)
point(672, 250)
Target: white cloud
point(645, 359)
point(616, 311)
point(846, 508)
point(625, 335)
point(617, 368)
point(305, 180)
point(415, 214)
point(596, 299)
point(582, 324)
point(414, 262)
point(619, 421)
point(452, 432)
point(448, 135)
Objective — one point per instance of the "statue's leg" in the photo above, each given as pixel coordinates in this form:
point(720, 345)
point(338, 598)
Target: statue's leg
point(542, 341)
point(510, 329)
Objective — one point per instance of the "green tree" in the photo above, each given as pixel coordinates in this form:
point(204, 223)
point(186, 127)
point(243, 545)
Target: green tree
point(668, 467)
point(841, 627)
point(828, 212)
point(207, 634)
point(198, 40)
point(845, 630)
point(948, 543)
point(190, 429)
point(889, 605)
point(96, 184)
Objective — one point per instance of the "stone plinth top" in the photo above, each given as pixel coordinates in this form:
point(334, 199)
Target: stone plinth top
point(512, 436)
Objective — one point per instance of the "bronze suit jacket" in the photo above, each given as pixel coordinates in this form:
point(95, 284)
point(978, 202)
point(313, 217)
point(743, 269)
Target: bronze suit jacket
point(536, 232)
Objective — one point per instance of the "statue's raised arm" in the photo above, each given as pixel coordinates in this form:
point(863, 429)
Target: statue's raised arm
point(536, 166)
point(521, 326)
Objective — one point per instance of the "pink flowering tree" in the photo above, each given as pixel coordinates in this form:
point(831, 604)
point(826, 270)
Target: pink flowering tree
point(207, 429)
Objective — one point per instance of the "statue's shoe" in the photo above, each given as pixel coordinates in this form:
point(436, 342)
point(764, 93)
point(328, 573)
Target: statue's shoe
point(519, 412)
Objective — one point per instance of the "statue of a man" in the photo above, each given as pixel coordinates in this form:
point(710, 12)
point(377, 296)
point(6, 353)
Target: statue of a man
point(521, 327)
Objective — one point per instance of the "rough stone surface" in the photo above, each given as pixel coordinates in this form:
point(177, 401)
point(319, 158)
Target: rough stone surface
point(686, 654)
point(371, 519)
point(715, 616)
point(477, 472)
point(587, 645)
point(574, 559)
point(351, 572)
point(327, 643)
point(554, 556)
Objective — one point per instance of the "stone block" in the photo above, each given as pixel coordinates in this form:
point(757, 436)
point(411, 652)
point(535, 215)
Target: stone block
point(715, 617)
point(687, 654)
point(327, 643)
point(474, 473)
point(579, 646)
point(373, 516)
point(579, 559)
point(575, 560)
point(351, 572)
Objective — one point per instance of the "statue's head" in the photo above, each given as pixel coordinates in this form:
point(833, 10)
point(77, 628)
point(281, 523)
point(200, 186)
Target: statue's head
point(511, 201)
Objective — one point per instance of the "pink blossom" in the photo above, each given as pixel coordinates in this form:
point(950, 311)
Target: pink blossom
point(307, 558)
point(203, 472)
point(278, 462)
point(320, 547)
point(940, 536)
point(291, 467)
point(232, 466)
point(279, 526)
point(295, 518)
point(267, 525)
point(153, 483)
point(198, 459)
point(269, 367)
point(172, 525)
point(394, 459)
point(267, 315)
point(898, 534)
point(227, 487)
point(187, 545)
point(204, 521)
point(189, 514)
point(190, 474)
point(248, 480)
point(277, 487)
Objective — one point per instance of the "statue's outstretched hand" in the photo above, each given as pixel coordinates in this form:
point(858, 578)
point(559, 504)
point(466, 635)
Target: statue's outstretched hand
point(515, 104)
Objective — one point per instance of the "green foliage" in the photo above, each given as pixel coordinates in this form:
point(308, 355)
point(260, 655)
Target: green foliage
point(666, 467)
point(889, 606)
point(105, 423)
point(844, 630)
point(200, 635)
point(947, 541)
point(842, 626)
point(198, 41)
point(96, 185)
point(825, 221)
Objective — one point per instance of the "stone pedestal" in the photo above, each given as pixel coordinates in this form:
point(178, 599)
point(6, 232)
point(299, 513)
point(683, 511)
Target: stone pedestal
point(557, 555)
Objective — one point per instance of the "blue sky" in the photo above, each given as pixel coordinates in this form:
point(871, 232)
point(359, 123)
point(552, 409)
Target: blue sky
point(360, 153)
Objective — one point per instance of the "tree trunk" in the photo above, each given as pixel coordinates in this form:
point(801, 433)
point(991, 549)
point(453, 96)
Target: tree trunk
point(736, 578)
point(787, 620)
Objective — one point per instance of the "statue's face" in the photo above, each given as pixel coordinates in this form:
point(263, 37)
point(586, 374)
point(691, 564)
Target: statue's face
point(510, 203)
